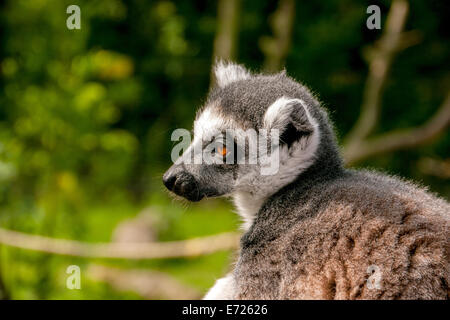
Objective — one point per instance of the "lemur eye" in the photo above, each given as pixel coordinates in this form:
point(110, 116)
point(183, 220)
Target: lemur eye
point(222, 150)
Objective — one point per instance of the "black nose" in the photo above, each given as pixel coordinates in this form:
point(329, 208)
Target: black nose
point(169, 181)
point(183, 184)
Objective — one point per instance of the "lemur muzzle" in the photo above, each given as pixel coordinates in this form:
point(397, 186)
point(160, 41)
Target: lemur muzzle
point(182, 183)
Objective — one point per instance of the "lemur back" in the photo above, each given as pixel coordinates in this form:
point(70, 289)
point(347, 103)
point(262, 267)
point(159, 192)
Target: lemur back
point(321, 241)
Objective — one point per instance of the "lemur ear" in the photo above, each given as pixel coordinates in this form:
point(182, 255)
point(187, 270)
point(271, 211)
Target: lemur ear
point(291, 118)
point(228, 72)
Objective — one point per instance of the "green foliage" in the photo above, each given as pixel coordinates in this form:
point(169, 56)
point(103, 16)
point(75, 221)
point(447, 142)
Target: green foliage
point(86, 115)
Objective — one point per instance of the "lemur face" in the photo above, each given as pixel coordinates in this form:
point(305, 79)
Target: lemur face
point(244, 116)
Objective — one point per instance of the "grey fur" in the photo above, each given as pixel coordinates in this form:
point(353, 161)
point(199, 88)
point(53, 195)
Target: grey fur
point(316, 236)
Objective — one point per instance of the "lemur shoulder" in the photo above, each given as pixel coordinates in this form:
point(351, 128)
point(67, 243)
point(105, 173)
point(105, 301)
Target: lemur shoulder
point(313, 229)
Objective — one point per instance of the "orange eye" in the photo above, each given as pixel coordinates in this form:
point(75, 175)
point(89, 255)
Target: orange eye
point(222, 150)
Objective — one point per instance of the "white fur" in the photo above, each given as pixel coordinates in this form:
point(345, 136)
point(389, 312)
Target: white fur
point(227, 73)
point(223, 289)
point(247, 206)
point(277, 115)
point(211, 122)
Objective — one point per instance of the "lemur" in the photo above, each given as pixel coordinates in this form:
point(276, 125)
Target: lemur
point(314, 229)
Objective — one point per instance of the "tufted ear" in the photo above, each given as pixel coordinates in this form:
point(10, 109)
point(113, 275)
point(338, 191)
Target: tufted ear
point(291, 118)
point(228, 72)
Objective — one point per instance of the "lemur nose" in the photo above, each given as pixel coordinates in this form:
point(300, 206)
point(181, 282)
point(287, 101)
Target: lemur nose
point(169, 180)
point(183, 184)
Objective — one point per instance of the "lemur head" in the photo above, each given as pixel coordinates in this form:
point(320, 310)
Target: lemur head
point(239, 110)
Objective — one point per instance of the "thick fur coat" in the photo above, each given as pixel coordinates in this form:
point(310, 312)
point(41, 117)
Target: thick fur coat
point(317, 242)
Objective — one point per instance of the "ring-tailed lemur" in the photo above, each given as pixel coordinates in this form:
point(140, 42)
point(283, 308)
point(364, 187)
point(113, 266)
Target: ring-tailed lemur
point(313, 229)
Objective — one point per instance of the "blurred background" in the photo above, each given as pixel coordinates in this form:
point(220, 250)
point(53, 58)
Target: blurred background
point(86, 117)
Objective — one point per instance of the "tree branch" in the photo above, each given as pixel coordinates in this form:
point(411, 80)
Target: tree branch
point(226, 35)
point(277, 47)
point(435, 167)
point(155, 250)
point(380, 61)
point(148, 284)
point(402, 139)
